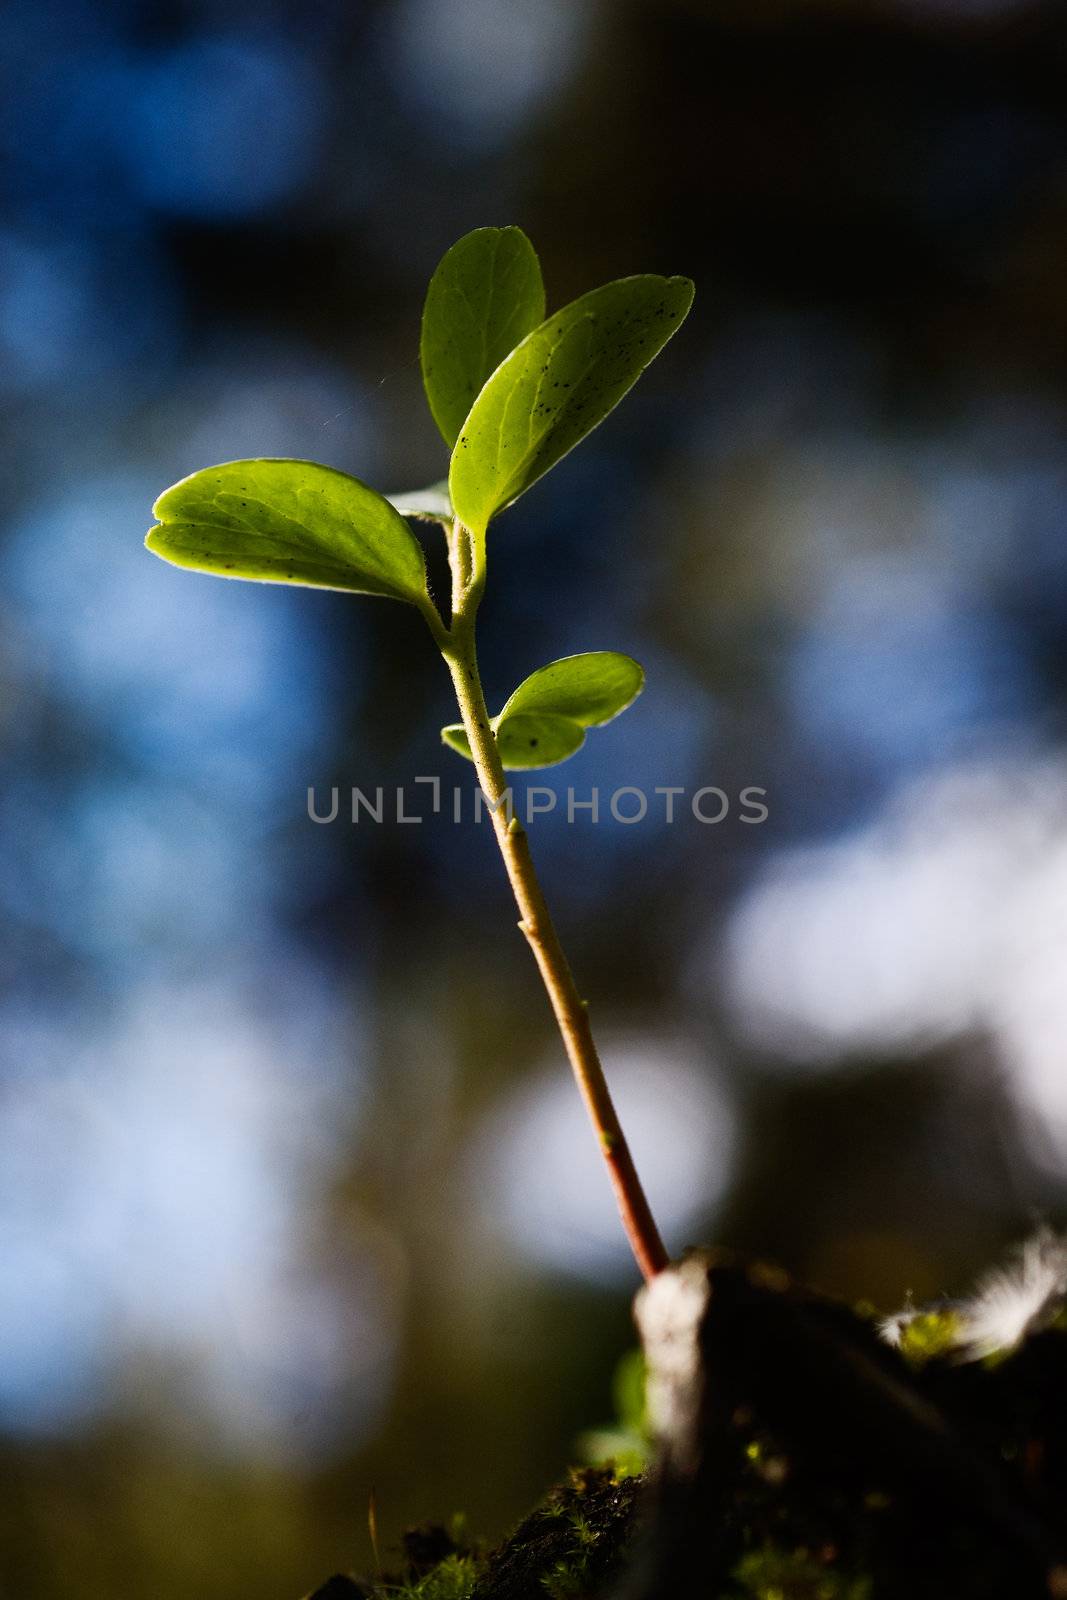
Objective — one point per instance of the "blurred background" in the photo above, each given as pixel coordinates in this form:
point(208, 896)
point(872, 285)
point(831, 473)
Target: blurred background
point(296, 1199)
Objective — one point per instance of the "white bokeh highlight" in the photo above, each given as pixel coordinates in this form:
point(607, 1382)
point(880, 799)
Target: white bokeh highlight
point(158, 1188)
point(538, 1176)
point(946, 916)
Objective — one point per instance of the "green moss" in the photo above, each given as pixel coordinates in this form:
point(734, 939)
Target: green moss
point(571, 1545)
point(928, 1335)
point(774, 1574)
point(571, 1574)
point(584, 1534)
point(568, 1580)
point(452, 1579)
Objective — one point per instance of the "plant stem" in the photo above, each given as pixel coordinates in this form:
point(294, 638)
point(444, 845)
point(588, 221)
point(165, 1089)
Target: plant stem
point(571, 1011)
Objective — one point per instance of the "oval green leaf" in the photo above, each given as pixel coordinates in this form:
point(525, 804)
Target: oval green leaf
point(526, 741)
point(281, 521)
point(485, 296)
point(537, 739)
point(590, 688)
point(545, 720)
point(560, 382)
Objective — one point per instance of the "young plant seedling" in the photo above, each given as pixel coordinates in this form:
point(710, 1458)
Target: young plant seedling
point(511, 392)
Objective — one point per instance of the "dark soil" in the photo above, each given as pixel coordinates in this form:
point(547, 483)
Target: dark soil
point(807, 1460)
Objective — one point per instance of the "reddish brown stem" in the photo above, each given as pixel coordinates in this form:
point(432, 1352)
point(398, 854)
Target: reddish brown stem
point(571, 1011)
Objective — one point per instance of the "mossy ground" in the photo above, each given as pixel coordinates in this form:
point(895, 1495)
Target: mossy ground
point(802, 1505)
point(572, 1545)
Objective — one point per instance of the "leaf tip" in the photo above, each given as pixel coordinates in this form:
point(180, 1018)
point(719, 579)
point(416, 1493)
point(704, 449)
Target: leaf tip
point(688, 288)
point(454, 736)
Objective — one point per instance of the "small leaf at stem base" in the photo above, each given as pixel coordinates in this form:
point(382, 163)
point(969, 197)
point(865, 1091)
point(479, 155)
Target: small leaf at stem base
point(545, 720)
point(431, 504)
point(592, 688)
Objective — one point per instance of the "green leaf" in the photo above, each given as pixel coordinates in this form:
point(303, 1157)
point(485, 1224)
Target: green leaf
point(431, 504)
point(279, 521)
point(545, 719)
point(526, 741)
point(561, 381)
point(485, 296)
point(456, 738)
point(590, 688)
point(537, 739)
point(629, 1388)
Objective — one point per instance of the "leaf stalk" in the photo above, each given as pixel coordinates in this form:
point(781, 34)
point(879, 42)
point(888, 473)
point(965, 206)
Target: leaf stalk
point(535, 921)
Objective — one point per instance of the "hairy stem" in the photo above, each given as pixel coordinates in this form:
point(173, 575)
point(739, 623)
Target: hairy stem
point(571, 1011)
